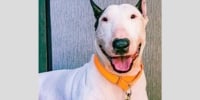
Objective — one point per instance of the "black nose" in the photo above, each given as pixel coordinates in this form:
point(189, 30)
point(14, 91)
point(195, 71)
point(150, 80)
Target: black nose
point(120, 46)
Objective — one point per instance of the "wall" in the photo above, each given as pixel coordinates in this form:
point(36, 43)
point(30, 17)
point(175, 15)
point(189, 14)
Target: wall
point(72, 27)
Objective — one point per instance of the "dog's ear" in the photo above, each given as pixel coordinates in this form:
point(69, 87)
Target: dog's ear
point(141, 5)
point(96, 9)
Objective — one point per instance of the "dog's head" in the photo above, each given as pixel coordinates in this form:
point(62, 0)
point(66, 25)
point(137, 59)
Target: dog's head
point(120, 35)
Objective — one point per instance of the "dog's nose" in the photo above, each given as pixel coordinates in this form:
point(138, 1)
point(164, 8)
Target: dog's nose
point(121, 46)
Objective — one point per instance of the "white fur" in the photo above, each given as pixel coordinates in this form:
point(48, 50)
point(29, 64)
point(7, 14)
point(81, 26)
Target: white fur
point(120, 25)
point(86, 83)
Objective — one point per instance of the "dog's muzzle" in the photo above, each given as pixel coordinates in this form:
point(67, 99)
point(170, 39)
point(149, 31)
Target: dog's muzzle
point(122, 63)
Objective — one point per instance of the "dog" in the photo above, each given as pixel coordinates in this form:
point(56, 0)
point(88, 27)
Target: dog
point(115, 71)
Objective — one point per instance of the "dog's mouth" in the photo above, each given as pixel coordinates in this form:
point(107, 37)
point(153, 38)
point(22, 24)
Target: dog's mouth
point(123, 63)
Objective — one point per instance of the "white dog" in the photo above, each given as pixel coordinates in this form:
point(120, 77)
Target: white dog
point(115, 71)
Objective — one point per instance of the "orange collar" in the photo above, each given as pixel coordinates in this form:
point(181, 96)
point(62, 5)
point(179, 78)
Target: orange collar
point(124, 82)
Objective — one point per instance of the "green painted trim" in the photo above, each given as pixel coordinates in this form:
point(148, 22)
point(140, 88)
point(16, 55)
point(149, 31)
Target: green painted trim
point(48, 35)
point(42, 37)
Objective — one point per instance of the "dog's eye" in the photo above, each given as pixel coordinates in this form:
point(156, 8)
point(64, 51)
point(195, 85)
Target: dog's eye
point(133, 16)
point(104, 19)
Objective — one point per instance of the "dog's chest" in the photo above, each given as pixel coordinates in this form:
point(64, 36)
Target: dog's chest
point(109, 93)
point(102, 89)
point(86, 84)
